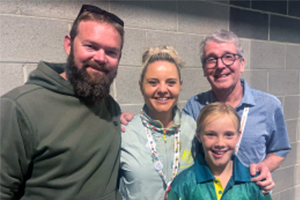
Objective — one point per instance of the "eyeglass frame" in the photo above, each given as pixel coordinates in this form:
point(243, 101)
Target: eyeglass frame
point(97, 10)
point(217, 59)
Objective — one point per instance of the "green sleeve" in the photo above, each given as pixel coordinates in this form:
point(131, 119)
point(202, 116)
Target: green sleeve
point(172, 195)
point(267, 196)
point(15, 148)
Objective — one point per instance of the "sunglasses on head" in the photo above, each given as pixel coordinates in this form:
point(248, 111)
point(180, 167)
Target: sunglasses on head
point(96, 10)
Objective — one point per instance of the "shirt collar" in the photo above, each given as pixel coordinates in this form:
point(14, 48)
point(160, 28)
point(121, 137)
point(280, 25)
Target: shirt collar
point(248, 98)
point(203, 173)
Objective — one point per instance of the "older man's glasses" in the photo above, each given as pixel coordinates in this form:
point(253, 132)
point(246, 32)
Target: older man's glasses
point(227, 59)
point(96, 10)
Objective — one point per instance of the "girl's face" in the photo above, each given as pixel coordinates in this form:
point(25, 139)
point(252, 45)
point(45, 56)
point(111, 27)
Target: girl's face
point(161, 87)
point(219, 137)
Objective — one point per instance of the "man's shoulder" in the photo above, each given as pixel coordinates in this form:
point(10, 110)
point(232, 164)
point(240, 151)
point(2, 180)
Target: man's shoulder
point(203, 96)
point(112, 106)
point(266, 97)
point(111, 100)
point(197, 102)
point(24, 91)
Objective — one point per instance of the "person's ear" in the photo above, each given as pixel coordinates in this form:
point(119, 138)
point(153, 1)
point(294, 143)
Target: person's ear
point(204, 71)
point(198, 137)
point(67, 44)
point(181, 81)
point(242, 65)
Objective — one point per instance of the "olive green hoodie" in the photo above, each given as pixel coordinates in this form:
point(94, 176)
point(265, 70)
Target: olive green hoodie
point(53, 146)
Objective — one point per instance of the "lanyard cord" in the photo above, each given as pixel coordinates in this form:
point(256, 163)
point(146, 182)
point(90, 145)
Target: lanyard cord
point(156, 162)
point(243, 122)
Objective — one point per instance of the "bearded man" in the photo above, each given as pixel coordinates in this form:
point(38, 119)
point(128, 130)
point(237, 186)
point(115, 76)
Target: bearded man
point(60, 132)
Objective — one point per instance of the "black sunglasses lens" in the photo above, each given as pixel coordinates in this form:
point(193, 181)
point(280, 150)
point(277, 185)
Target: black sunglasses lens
point(93, 9)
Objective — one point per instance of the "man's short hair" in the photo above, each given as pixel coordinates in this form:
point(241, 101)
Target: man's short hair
point(104, 17)
point(221, 36)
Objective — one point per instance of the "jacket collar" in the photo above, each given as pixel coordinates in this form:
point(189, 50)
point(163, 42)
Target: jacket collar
point(175, 112)
point(203, 173)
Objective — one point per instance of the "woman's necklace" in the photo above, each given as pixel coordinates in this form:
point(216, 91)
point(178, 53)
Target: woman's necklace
point(175, 127)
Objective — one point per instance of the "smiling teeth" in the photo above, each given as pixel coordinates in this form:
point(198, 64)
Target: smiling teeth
point(220, 153)
point(162, 99)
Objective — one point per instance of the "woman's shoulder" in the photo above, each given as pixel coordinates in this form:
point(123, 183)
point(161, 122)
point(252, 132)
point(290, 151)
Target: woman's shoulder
point(187, 119)
point(134, 129)
point(188, 125)
point(135, 122)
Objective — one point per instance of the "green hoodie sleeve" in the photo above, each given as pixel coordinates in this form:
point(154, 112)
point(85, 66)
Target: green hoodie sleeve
point(15, 150)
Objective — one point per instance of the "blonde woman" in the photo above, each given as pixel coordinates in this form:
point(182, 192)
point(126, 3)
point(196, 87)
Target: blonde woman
point(156, 144)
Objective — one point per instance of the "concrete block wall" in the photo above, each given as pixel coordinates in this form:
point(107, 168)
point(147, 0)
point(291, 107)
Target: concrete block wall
point(33, 30)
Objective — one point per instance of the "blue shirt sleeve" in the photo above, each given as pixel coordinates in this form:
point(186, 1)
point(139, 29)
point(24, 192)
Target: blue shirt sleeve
point(187, 108)
point(278, 142)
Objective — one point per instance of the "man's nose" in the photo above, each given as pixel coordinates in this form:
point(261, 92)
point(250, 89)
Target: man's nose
point(100, 56)
point(220, 63)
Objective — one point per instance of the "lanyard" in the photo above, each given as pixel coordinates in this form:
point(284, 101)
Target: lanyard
point(157, 163)
point(243, 122)
point(158, 166)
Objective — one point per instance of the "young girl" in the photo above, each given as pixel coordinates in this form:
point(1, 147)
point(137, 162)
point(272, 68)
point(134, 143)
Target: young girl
point(217, 174)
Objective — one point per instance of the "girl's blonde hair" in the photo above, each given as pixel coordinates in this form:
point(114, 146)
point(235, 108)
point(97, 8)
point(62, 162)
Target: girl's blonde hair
point(217, 110)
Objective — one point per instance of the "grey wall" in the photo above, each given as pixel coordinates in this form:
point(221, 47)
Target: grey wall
point(270, 33)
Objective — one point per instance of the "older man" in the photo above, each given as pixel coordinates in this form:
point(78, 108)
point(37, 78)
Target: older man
point(60, 132)
point(264, 137)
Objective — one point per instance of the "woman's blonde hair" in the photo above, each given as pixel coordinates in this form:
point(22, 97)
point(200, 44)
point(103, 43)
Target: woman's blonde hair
point(217, 110)
point(160, 53)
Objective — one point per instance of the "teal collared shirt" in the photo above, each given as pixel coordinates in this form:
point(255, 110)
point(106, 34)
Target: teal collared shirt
point(196, 182)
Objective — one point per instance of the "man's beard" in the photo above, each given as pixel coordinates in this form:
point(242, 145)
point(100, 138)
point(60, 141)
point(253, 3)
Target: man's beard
point(91, 88)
